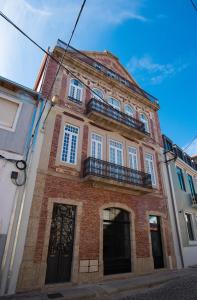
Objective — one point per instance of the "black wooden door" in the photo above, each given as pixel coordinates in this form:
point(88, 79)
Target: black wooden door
point(116, 241)
point(157, 250)
point(60, 251)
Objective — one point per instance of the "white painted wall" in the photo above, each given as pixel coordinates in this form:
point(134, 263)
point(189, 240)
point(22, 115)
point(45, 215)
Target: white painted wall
point(190, 255)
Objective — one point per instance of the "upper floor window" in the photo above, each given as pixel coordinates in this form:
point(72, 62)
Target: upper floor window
point(129, 110)
point(149, 167)
point(116, 153)
point(144, 119)
point(191, 184)
point(96, 146)
point(9, 111)
point(180, 178)
point(98, 94)
point(133, 164)
point(188, 218)
point(70, 143)
point(115, 103)
point(76, 90)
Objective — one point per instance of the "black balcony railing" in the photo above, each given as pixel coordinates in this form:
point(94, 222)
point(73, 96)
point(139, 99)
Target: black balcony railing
point(178, 152)
point(107, 72)
point(104, 169)
point(112, 113)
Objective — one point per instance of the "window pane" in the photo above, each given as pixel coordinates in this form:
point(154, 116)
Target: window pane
point(8, 110)
point(191, 184)
point(65, 147)
point(69, 149)
point(180, 178)
point(189, 226)
point(149, 166)
point(129, 110)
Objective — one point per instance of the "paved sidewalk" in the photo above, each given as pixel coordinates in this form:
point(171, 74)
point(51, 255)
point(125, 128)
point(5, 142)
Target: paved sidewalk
point(106, 289)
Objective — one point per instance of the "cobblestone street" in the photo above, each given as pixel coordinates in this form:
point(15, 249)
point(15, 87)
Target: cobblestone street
point(183, 287)
point(161, 285)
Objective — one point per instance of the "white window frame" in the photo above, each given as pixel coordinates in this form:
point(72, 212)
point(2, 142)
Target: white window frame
point(76, 88)
point(114, 106)
point(20, 104)
point(69, 146)
point(94, 95)
point(97, 142)
point(153, 163)
point(145, 120)
point(132, 108)
point(111, 140)
point(132, 154)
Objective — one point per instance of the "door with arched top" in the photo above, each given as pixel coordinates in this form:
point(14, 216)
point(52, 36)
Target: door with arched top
point(116, 241)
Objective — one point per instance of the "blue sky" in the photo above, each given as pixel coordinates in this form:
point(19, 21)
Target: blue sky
point(154, 39)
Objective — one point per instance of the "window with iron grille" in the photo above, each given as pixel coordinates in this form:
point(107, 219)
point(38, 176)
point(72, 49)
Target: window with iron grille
point(70, 143)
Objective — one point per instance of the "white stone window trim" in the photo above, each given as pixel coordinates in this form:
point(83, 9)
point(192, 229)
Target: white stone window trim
point(153, 161)
point(122, 153)
point(136, 155)
point(97, 142)
point(20, 104)
point(80, 88)
point(112, 104)
point(193, 228)
point(69, 148)
point(127, 105)
point(94, 95)
point(145, 120)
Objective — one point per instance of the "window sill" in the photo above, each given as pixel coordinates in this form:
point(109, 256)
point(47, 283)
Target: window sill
point(192, 243)
point(74, 100)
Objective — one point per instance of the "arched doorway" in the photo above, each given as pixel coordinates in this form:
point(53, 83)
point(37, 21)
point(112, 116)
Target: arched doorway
point(116, 241)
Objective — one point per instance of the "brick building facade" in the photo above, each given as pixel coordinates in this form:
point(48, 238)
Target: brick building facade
point(95, 212)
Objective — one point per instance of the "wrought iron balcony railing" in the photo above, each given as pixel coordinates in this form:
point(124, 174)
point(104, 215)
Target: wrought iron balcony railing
point(100, 168)
point(112, 113)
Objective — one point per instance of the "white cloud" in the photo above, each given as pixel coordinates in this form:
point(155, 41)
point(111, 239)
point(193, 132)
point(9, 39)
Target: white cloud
point(147, 70)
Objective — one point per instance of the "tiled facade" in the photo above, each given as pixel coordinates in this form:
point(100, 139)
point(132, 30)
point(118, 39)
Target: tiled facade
point(62, 182)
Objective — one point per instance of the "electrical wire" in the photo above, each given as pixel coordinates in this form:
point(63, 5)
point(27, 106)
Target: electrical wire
point(194, 5)
point(190, 143)
point(52, 57)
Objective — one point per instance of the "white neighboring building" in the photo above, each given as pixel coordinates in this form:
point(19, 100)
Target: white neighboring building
point(21, 134)
point(181, 187)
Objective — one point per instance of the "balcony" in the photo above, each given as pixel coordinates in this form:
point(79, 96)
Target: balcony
point(113, 119)
point(194, 200)
point(116, 177)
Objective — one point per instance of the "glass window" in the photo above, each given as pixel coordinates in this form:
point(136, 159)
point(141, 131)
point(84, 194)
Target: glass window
point(116, 153)
point(144, 119)
point(76, 90)
point(180, 179)
point(8, 113)
point(129, 110)
point(133, 164)
point(96, 146)
point(188, 218)
point(115, 103)
point(70, 142)
point(149, 167)
point(191, 184)
point(97, 94)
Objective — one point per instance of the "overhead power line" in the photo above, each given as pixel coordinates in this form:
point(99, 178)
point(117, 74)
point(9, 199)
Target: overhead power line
point(190, 143)
point(49, 54)
point(193, 4)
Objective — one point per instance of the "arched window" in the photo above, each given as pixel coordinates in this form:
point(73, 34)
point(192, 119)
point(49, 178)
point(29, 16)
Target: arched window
point(76, 90)
point(116, 241)
point(97, 94)
point(129, 110)
point(115, 103)
point(144, 119)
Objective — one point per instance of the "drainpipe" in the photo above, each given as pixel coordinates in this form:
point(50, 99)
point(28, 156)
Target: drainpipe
point(174, 212)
